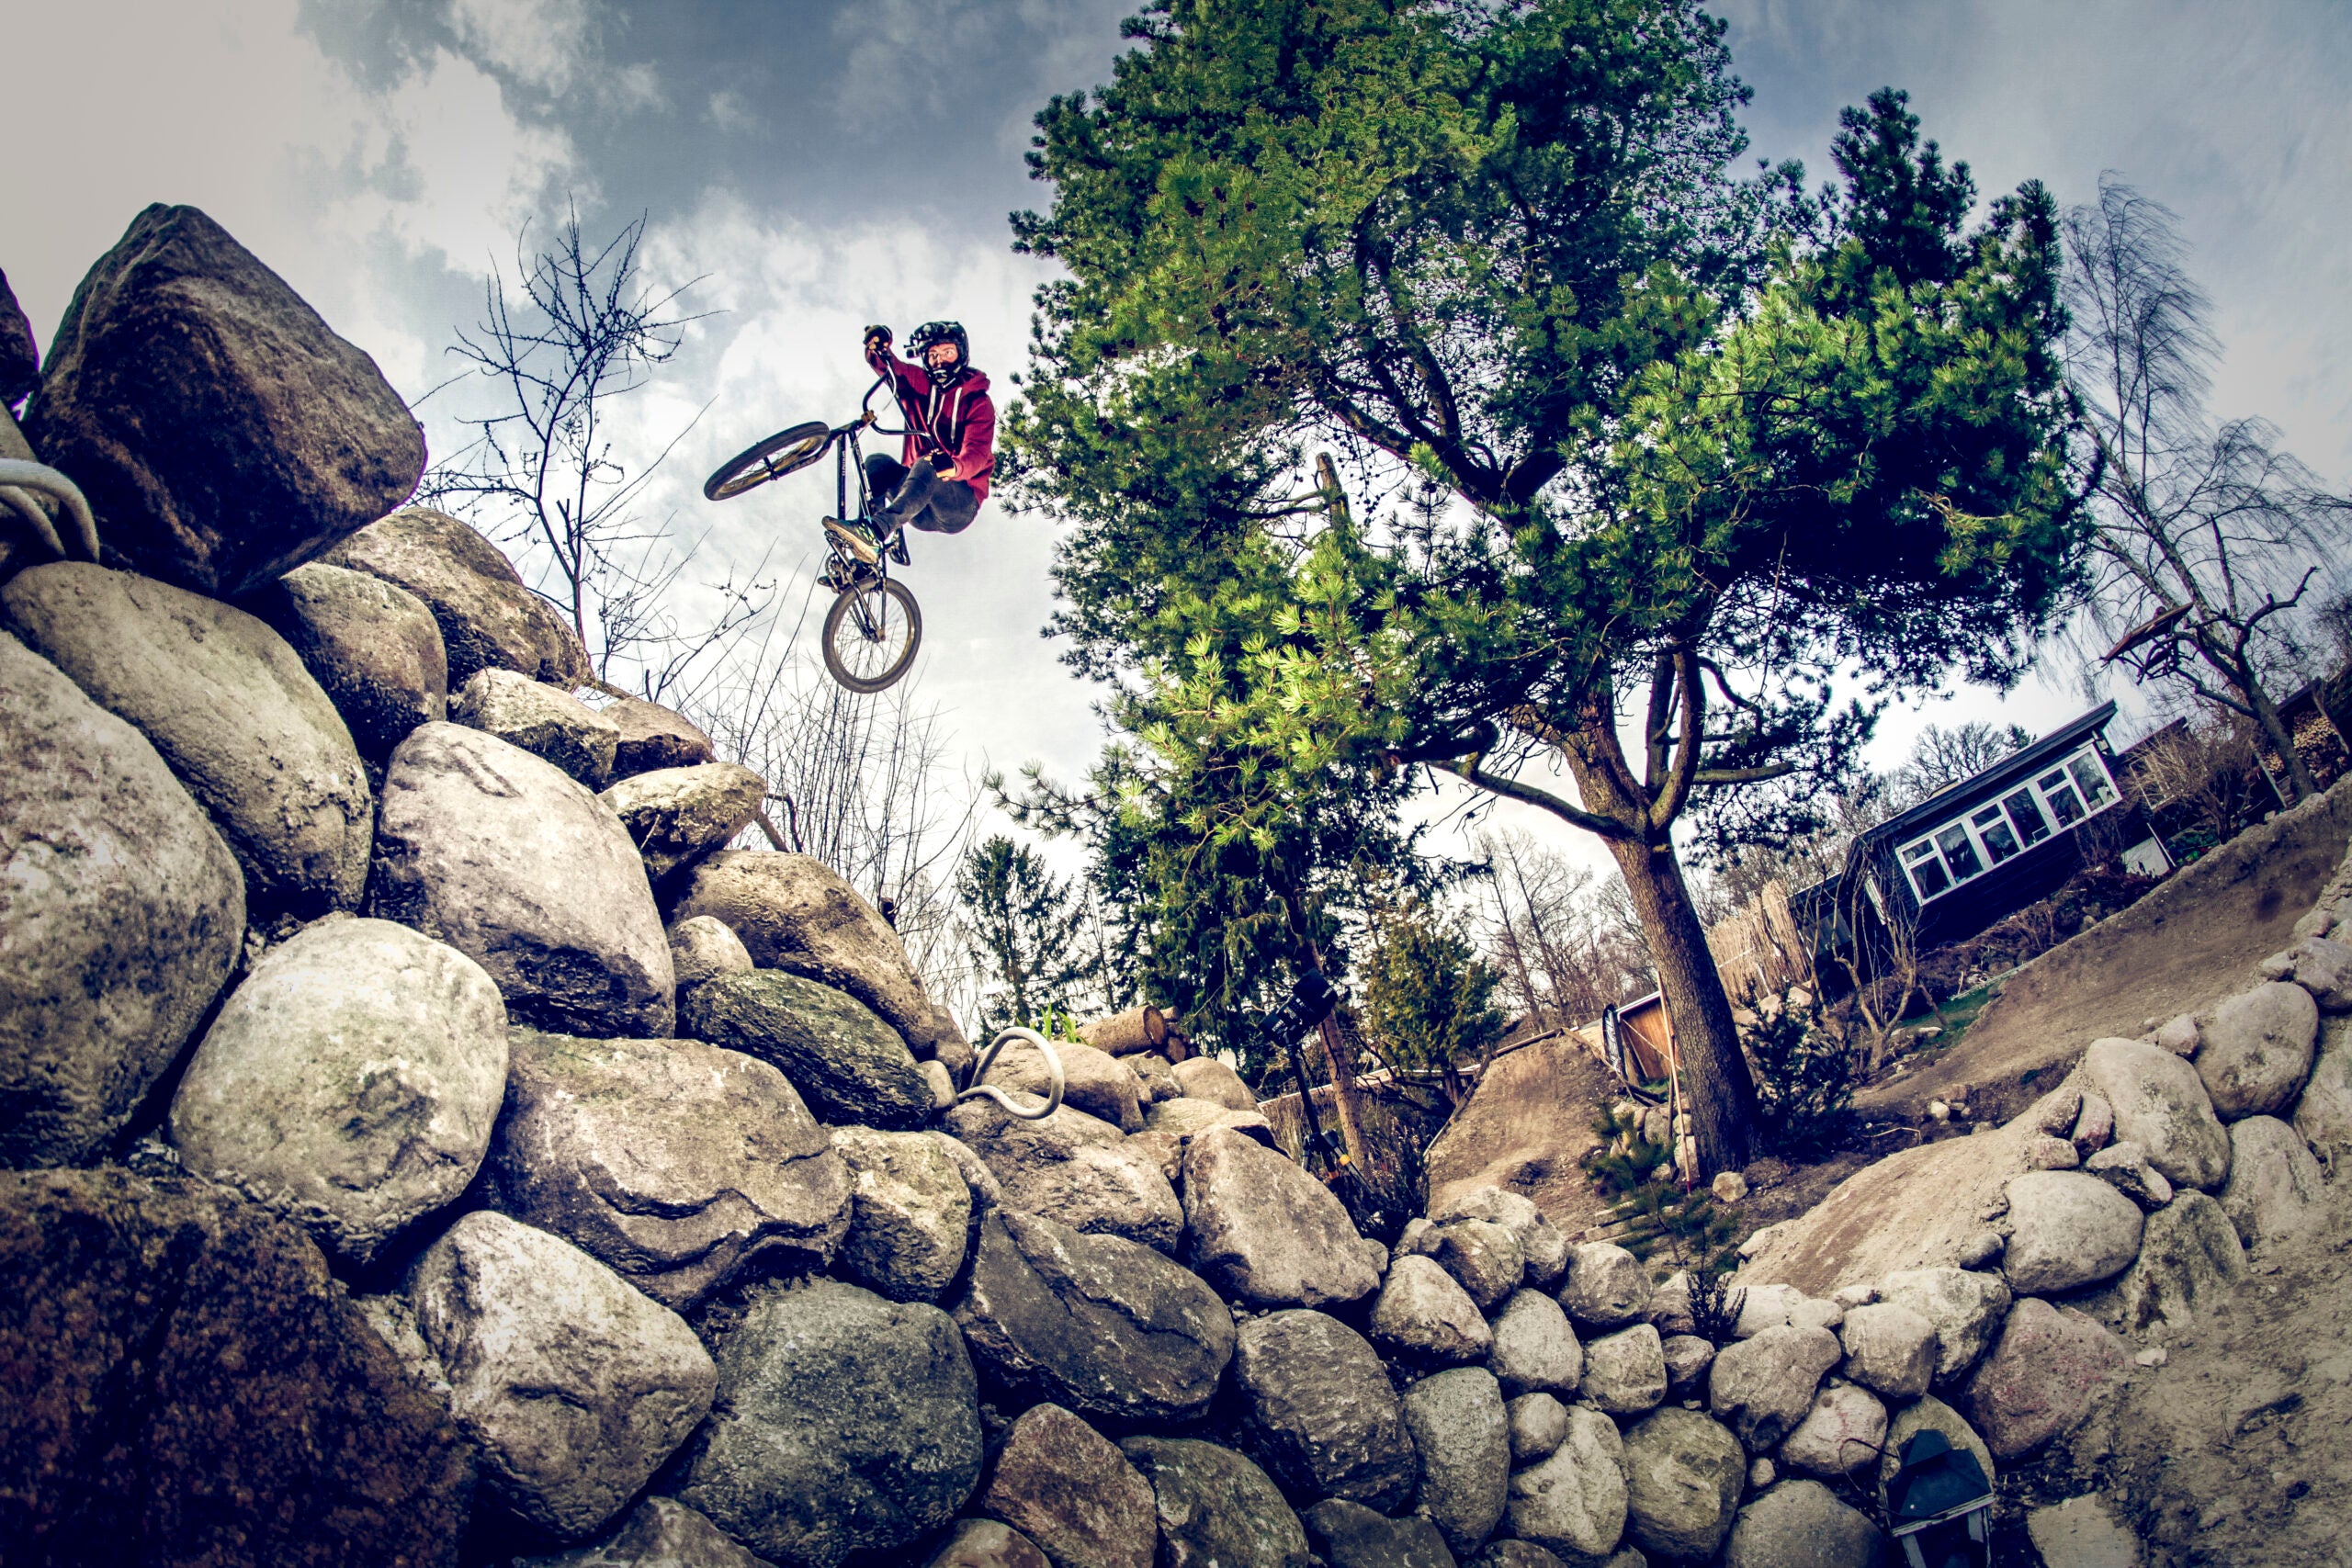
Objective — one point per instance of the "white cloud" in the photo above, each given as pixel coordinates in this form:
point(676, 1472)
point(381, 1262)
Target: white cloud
point(542, 43)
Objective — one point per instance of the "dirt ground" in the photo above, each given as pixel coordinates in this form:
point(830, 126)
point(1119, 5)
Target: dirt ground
point(2195, 938)
point(1524, 1129)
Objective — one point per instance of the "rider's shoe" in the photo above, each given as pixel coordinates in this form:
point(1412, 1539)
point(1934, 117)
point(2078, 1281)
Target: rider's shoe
point(852, 539)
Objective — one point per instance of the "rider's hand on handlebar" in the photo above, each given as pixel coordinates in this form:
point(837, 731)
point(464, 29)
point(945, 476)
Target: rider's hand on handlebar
point(877, 335)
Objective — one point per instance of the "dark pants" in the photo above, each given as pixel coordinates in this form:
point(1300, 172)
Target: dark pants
point(918, 496)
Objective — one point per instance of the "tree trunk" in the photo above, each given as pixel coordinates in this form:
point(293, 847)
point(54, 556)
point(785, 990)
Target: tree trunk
point(1345, 1093)
point(2282, 740)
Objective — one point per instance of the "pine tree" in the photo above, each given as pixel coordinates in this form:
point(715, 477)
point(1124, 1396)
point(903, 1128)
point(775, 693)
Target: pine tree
point(1023, 931)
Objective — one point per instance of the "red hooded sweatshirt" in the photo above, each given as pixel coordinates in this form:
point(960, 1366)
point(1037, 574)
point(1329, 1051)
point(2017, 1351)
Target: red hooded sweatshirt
point(959, 419)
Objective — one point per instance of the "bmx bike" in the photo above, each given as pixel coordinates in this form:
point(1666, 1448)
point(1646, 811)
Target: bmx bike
point(874, 625)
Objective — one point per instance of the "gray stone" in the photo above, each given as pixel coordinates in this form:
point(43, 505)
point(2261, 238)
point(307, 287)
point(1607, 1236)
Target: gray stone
point(1671, 1305)
point(2323, 966)
point(1071, 1490)
point(677, 813)
point(2041, 1376)
point(372, 646)
point(1966, 1308)
point(2257, 1051)
point(1761, 1387)
point(654, 737)
point(942, 1086)
point(2125, 1167)
point(1483, 1256)
point(2190, 1259)
point(1459, 1429)
point(1776, 1306)
point(682, 1167)
point(1348, 1535)
point(20, 354)
point(121, 915)
point(489, 620)
point(1259, 1227)
point(2067, 1230)
point(845, 1423)
point(2274, 1193)
point(1205, 1078)
point(1318, 1413)
point(1930, 1413)
point(1841, 1434)
point(1093, 1081)
point(2161, 1105)
point(1076, 1169)
point(1105, 1325)
point(1541, 1244)
point(2177, 1034)
point(703, 949)
point(661, 1533)
point(1185, 1119)
point(1607, 1286)
point(910, 1213)
point(987, 1543)
point(2081, 1533)
point(1624, 1373)
point(1423, 1314)
point(222, 432)
point(1215, 1508)
point(1573, 1503)
point(550, 724)
point(1688, 1359)
point(2094, 1128)
point(1527, 1555)
point(2323, 1114)
point(1157, 1076)
point(350, 1083)
point(1538, 1424)
point(1889, 1347)
point(229, 706)
point(1982, 1250)
point(575, 1386)
point(1683, 1474)
point(1535, 1348)
point(2047, 1153)
point(516, 865)
point(1801, 1524)
point(850, 1066)
point(796, 914)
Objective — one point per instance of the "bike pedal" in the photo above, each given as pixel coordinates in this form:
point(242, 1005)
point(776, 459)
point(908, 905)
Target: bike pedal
point(898, 547)
point(852, 540)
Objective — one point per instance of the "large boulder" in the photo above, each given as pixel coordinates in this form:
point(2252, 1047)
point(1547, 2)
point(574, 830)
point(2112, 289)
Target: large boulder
point(2160, 1104)
point(2190, 1259)
point(911, 1212)
point(1076, 1169)
point(121, 914)
point(1215, 1508)
point(489, 620)
point(1259, 1227)
point(1966, 1307)
point(2125, 1167)
point(372, 646)
point(1542, 1245)
point(1184, 1118)
point(1483, 1256)
point(987, 1543)
point(575, 1386)
point(849, 1065)
point(1683, 1475)
point(1102, 1325)
point(2067, 1230)
point(1318, 1412)
point(2042, 1377)
point(519, 867)
point(1841, 1434)
point(1930, 1413)
point(2274, 1192)
point(677, 813)
point(1205, 1078)
point(1624, 1373)
point(351, 1082)
point(1069, 1488)
point(2324, 1113)
point(661, 1533)
point(1093, 1081)
point(796, 914)
point(654, 737)
point(1802, 1523)
point(1889, 1347)
point(1459, 1429)
point(230, 708)
point(680, 1166)
point(1607, 1286)
point(222, 432)
point(1573, 1503)
point(548, 723)
point(1348, 1535)
point(1539, 1425)
point(1762, 1387)
point(1424, 1314)
point(702, 949)
point(188, 1386)
point(845, 1423)
point(1535, 1348)
point(2257, 1050)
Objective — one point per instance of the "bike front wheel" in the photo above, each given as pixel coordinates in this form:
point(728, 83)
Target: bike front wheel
point(787, 451)
point(871, 635)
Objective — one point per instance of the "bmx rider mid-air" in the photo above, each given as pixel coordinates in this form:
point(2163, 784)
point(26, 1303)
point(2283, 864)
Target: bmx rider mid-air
point(938, 481)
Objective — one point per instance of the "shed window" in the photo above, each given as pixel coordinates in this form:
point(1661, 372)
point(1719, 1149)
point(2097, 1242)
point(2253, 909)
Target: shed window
point(2059, 792)
point(1999, 843)
point(1959, 854)
point(1927, 869)
point(2026, 816)
point(2091, 777)
point(1962, 850)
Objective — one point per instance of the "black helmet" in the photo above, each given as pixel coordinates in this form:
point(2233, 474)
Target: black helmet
point(919, 342)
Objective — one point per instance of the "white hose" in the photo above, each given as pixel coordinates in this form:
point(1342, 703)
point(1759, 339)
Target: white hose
point(16, 472)
point(1053, 1066)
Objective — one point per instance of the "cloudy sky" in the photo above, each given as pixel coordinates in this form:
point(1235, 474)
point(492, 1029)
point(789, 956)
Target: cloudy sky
point(819, 166)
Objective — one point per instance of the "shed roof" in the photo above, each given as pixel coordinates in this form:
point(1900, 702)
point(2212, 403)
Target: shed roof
point(2010, 770)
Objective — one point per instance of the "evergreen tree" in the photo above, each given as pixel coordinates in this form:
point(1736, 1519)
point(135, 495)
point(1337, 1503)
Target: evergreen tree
point(1428, 997)
point(1023, 930)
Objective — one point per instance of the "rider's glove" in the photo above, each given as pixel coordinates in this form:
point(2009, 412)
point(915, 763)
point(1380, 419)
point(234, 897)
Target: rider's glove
point(877, 335)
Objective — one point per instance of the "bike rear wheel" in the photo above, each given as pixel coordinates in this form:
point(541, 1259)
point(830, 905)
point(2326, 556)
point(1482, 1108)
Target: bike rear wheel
point(871, 635)
point(785, 452)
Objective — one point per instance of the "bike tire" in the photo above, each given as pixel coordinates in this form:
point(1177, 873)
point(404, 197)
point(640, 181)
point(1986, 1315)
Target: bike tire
point(785, 452)
point(850, 647)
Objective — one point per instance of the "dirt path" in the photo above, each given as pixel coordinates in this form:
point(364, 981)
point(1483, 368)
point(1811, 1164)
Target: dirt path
point(1523, 1129)
point(2195, 938)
